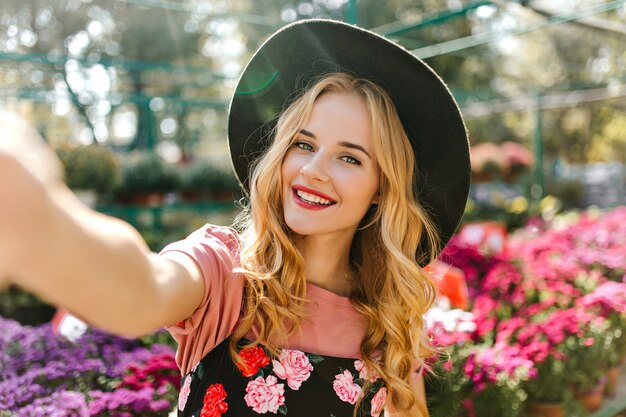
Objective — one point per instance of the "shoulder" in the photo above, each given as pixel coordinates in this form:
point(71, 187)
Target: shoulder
point(224, 234)
point(209, 240)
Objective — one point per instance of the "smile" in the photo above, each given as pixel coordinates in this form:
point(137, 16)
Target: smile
point(310, 198)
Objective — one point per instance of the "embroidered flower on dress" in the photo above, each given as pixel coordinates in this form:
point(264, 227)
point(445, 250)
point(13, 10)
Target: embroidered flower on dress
point(214, 404)
point(345, 387)
point(364, 372)
point(294, 366)
point(378, 402)
point(184, 393)
point(253, 358)
point(265, 394)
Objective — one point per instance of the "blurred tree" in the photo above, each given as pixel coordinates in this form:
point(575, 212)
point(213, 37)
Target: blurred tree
point(142, 73)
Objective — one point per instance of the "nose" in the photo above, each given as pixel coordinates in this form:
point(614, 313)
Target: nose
point(315, 169)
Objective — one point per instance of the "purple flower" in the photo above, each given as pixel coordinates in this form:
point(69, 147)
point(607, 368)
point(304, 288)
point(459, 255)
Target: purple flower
point(44, 371)
point(58, 404)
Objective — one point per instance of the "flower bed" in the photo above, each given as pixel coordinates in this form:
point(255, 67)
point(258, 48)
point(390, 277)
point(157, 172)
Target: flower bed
point(546, 322)
point(44, 374)
point(547, 319)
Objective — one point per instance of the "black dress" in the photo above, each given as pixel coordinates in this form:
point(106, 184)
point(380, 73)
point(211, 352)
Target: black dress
point(296, 384)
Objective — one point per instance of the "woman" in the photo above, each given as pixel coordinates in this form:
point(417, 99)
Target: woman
point(315, 309)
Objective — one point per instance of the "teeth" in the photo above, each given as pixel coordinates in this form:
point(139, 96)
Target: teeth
point(310, 198)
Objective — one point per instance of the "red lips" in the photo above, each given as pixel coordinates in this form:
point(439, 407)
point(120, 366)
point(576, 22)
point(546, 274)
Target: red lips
point(310, 205)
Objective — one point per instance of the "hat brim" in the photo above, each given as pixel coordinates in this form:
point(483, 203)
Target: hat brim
point(305, 50)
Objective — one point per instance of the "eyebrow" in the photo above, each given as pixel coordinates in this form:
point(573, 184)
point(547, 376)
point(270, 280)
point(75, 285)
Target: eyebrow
point(344, 144)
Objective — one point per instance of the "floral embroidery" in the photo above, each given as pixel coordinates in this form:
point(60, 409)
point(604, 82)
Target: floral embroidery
point(378, 402)
point(265, 380)
point(265, 395)
point(184, 393)
point(294, 366)
point(214, 404)
point(364, 372)
point(253, 358)
point(345, 387)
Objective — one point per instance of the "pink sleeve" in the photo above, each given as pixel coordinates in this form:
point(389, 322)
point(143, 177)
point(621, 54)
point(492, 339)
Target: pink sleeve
point(215, 249)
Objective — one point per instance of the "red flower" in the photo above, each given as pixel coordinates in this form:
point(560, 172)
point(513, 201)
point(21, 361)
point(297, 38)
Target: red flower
point(253, 359)
point(214, 404)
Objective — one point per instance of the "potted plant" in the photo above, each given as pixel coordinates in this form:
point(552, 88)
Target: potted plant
point(472, 376)
point(90, 170)
point(146, 177)
point(517, 160)
point(566, 346)
point(495, 375)
point(451, 333)
point(609, 301)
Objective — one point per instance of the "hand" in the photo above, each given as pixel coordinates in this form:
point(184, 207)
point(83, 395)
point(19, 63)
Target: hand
point(28, 167)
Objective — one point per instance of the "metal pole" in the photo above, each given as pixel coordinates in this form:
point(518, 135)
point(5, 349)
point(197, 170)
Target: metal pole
point(537, 187)
point(351, 15)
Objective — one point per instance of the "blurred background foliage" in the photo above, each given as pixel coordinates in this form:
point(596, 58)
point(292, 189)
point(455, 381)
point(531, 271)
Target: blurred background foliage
point(137, 74)
point(149, 81)
point(155, 76)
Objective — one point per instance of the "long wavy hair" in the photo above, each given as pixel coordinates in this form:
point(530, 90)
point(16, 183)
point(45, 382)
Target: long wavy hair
point(391, 290)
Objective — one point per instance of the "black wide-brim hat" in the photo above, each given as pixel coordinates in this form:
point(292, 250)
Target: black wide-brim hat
point(306, 50)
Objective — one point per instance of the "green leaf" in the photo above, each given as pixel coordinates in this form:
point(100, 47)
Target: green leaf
point(200, 370)
point(314, 358)
point(283, 409)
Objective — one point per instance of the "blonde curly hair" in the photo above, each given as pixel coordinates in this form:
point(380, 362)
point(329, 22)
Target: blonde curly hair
point(392, 291)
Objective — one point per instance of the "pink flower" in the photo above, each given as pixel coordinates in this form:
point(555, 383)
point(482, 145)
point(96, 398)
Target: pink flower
point(265, 395)
point(184, 393)
point(378, 402)
point(345, 387)
point(293, 366)
point(365, 373)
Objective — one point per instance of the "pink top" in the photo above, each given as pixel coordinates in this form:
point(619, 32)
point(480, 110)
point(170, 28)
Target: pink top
point(332, 328)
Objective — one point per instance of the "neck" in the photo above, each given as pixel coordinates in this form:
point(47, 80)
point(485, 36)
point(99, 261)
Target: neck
point(327, 263)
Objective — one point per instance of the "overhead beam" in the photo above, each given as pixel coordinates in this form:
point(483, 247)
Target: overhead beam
point(546, 101)
point(127, 64)
point(400, 28)
point(592, 22)
point(486, 37)
point(181, 8)
point(50, 96)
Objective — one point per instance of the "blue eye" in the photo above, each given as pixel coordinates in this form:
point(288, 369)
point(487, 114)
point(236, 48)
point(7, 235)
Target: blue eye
point(351, 160)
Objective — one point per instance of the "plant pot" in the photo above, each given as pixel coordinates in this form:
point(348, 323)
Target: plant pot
point(612, 376)
point(591, 400)
point(147, 199)
point(540, 409)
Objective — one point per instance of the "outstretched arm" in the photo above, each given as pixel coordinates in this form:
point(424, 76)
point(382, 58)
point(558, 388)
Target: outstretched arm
point(95, 266)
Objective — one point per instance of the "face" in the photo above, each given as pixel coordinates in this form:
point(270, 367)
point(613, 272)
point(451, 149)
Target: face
point(330, 175)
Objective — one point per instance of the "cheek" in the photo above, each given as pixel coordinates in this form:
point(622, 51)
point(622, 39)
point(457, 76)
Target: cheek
point(292, 164)
point(285, 172)
point(288, 171)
